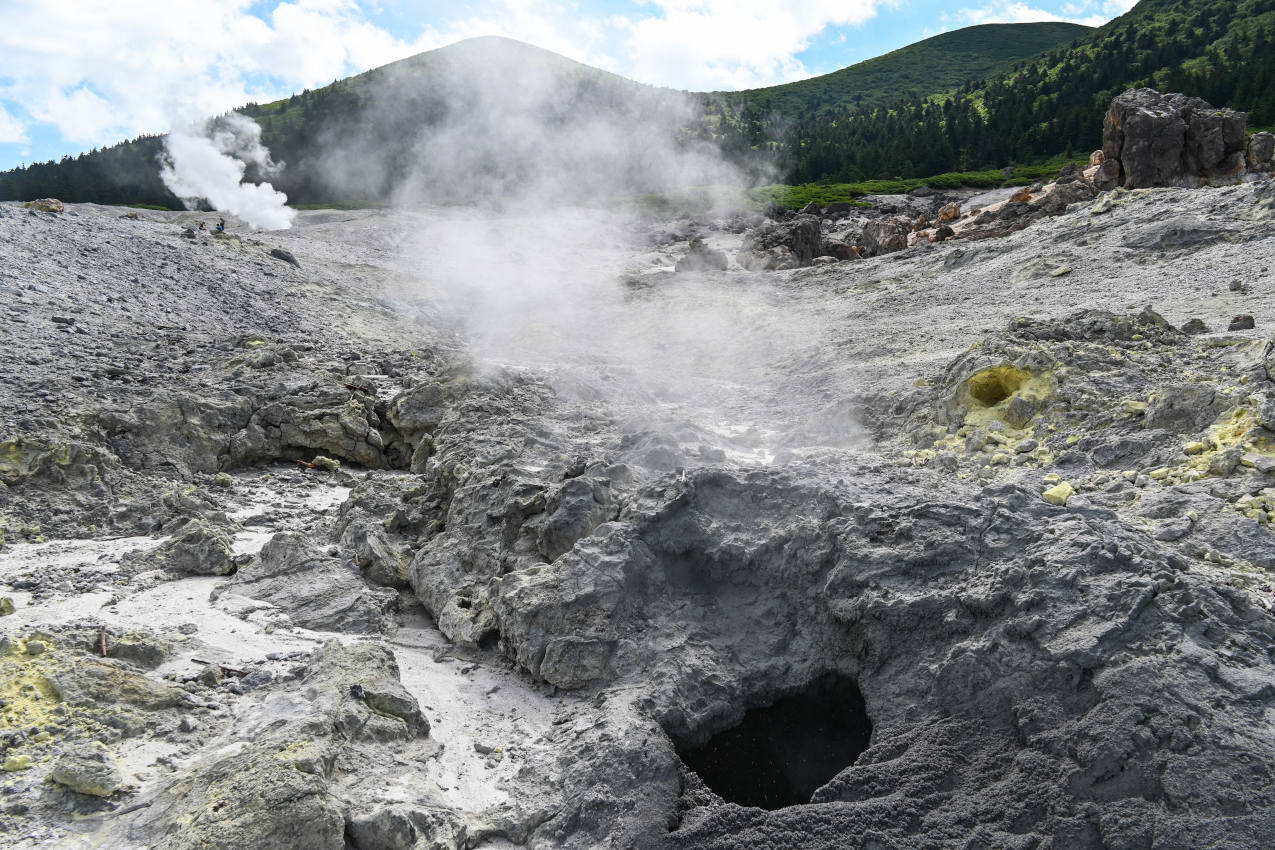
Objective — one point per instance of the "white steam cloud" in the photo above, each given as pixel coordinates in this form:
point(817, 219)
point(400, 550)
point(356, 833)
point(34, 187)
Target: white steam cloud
point(209, 161)
point(525, 232)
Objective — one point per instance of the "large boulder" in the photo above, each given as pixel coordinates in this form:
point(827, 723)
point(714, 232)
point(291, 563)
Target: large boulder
point(315, 590)
point(884, 236)
point(784, 244)
point(1171, 139)
point(1261, 148)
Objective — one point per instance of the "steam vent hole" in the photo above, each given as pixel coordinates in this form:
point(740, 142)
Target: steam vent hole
point(781, 754)
point(992, 386)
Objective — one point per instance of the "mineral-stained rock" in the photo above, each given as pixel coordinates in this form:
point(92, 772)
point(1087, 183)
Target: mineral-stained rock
point(197, 549)
point(273, 789)
point(949, 213)
point(884, 236)
point(838, 250)
point(48, 205)
point(1195, 327)
point(1241, 323)
point(87, 768)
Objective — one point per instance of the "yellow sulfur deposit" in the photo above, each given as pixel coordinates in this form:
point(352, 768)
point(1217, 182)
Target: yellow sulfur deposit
point(1058, 494)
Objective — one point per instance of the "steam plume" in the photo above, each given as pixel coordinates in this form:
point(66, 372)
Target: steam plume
point(209, 161)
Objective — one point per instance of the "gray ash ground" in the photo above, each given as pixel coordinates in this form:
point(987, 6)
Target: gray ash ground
point(400, 547)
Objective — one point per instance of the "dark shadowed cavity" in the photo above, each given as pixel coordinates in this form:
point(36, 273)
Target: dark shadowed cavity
point(780, 754)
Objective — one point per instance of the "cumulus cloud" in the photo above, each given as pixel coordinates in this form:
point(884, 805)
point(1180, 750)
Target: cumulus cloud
point(731, 44)
point(1092, 13)
point(99, 70)
point(11, 129)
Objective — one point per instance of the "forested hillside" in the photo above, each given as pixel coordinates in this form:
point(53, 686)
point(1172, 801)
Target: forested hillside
point(1219, 50)
point(937, 64)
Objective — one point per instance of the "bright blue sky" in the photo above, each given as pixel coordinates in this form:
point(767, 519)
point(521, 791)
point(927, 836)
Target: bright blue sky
point(77, 74)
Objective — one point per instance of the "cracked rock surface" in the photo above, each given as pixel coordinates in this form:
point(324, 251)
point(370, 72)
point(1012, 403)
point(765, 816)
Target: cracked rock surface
point(319, 554)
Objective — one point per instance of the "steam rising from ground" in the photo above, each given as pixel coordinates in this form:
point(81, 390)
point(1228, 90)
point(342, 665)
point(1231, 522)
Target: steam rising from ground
point(209, 161)
point(538, 265)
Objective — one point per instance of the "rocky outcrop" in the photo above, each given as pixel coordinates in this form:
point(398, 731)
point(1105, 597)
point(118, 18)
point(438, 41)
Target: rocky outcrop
point(274, 789)
point(780, 245)
point(315, 590)
point(1172, 140)
point(884, 236)
point(1261, 148)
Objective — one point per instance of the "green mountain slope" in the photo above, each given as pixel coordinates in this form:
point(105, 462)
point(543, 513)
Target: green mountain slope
point(937, 64)
point(919, 111)
point(1220, 50)
point(327, 136)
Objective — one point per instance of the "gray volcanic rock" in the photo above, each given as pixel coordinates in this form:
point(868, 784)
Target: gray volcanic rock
point(786, 244)
point(960, 545)
point(884, 236)
point(1261, 149)
point(1171, 139)
point(316, 590)
point(275, 789)
point(197, 548)
point(87, 769)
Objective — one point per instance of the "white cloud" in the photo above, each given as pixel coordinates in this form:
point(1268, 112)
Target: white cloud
point(101, 69)
point(1092, 13)
point(11, 129)
point(730, 44)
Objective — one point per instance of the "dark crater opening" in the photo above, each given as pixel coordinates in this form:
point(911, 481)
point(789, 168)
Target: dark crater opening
point(780, 754)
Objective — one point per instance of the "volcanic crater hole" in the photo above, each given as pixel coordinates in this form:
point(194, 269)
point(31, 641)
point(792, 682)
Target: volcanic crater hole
point(992, 386)
point(780, 754)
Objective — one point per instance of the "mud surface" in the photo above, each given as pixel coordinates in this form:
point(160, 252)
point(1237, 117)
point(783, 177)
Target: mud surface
point(476, 531)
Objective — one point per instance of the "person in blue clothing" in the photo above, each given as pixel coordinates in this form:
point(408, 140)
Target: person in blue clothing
point(221, 226)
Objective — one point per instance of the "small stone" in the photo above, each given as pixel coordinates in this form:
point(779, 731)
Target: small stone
point(188, 628)
point(1194, 327)
point(36, 647)
point(17, 762)
point(188, 724)
point(1235, 285)
point(224, 480)
point(1194, 448)
point(1241, 323)
point(1058, 494)
point(257, 678)
point(326, 463)
point(1025, 446)
point(1052, 478)
point(6, 606)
